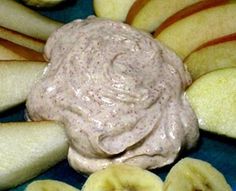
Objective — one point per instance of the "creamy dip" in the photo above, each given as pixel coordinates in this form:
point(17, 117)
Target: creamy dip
point(119, 93)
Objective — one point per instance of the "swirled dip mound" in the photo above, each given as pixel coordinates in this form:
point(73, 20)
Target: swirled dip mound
point(119, 93)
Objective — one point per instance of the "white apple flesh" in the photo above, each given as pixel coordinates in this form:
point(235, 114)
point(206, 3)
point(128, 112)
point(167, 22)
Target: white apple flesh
point(23, 40)
point(213, 98)
point(16, 80)
point(19, 18)
point(28, 149)
point(218, 56)
point(20, 52)
point(112, 9)
point(154, 12)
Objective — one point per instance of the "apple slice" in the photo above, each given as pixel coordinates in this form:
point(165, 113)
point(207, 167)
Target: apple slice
point(16, 80)
point(213, 98)
point(149, 14)
point(28, 149)
point(22, 52)
point(222, 55)
point(19, 18)
point(222, 39)
point(7, 54)
point(187, 34)
point(194, 8)
point(21, 39)
point(112, 9)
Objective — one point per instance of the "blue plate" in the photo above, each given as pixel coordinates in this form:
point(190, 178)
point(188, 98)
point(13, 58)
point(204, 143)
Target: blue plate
point(217, 150)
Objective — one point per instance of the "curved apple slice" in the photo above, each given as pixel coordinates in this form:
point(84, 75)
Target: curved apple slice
point(28, 149)
point(21, 39)
point(7, 54)
point(149, 14)
point(21, 52)
point(213, 98)
point(16, 79)
point(187, 34)
point(112, 9)
point(187, 11)
point(222, 39)
point(222, 55)
point(19, 18)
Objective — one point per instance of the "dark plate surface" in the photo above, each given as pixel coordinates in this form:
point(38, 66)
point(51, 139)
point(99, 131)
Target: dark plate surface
point(219, 151)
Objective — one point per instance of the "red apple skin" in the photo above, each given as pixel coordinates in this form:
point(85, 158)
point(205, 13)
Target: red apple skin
point(227, 38)
point(21, 39)
point(27, 53)
point(222, 39)
point(135, 8)
point(188, 11)
point(188, 34)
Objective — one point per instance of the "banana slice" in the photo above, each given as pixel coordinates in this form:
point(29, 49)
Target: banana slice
point(122, 177)
point(42, 3)
point(195, 175)
point(49, 185)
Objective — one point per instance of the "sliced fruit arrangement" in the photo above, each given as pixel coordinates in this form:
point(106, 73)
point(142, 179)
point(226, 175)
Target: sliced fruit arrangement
point(185, 26)
point(29, 148)
point(149, 14)
point(22, 39)
point(187, 175)
point(203, 34)
point(213, 98)
point(112, 9)
point(49, 185)
point(123, 177)
point(16, 80)
point(193, 174)
point(25, 20)
point(186, 35)
point(152, 15)
point(187, 11)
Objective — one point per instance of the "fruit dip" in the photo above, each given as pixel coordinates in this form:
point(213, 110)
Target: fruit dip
point(119, 93)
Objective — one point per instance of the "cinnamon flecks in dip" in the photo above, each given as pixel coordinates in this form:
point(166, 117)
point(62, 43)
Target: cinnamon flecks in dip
point(119, 93)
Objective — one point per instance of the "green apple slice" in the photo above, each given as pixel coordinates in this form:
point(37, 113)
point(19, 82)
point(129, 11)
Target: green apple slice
point(21, 39)
point(112, 9)
point(16, 80)
point(213, 98)
point(210, 58)
point(19, 18)
point(29, 148)
point(149, 15)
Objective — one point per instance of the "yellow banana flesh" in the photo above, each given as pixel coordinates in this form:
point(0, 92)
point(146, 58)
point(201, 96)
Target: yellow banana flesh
point(195, 175)
point(49, 185)
point(122, 177)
